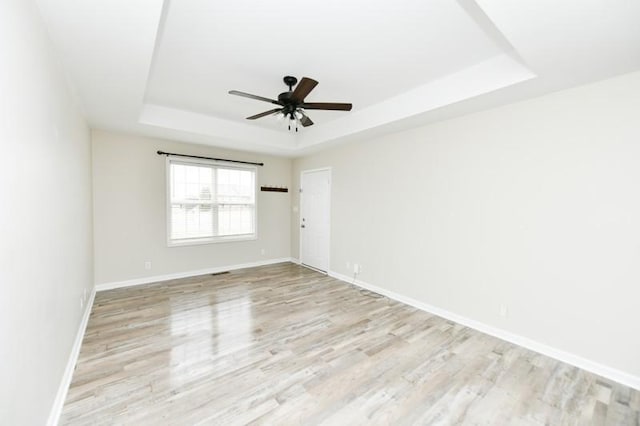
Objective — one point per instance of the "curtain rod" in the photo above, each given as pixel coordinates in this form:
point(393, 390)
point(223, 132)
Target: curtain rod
point(209, 158)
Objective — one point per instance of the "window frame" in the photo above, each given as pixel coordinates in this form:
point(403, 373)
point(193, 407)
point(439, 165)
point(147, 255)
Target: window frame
point(207, 240)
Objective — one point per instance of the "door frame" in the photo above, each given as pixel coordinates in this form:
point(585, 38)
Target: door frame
point(302, 173)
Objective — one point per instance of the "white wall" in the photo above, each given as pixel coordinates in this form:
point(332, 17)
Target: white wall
point(130, 220)
point(45, 218)
point(534, 205)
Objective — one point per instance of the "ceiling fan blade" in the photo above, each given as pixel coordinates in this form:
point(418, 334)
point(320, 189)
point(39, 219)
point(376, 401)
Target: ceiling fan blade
point(305, 120)
point(264, 114)
point(250, 96)
point(327, 106)
point(303, 88)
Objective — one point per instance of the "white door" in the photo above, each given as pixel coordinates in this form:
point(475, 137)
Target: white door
point(315, 215)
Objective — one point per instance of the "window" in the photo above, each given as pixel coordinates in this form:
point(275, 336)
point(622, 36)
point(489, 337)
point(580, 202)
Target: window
point(210, 202)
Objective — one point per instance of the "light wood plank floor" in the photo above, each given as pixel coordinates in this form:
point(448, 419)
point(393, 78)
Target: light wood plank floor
point(285, 345)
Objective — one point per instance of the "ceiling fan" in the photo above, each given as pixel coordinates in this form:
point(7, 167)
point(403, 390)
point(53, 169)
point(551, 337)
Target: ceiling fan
point(292, 105)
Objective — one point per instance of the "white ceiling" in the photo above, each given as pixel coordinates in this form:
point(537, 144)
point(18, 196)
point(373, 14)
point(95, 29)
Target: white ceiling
point(209, 47)
point(163, 68)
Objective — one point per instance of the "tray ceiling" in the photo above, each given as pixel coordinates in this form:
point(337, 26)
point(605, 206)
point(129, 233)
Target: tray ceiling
point(163, 68)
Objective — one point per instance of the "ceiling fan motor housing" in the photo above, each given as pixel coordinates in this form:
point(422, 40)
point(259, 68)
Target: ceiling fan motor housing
point(285, 99)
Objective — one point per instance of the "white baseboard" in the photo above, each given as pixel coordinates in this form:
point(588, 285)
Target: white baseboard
point(58, 403)
point(569, 358)
point(158, 278)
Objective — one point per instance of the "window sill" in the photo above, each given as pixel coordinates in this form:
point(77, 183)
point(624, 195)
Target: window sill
point(216, 240)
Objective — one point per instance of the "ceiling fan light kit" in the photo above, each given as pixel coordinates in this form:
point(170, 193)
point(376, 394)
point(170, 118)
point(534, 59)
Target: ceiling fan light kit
point(292, 105)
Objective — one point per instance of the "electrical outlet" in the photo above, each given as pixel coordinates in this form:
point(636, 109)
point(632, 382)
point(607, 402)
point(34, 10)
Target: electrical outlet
point(504, 311)
point(263, 252)
point(147, 265)
point(356, 268)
